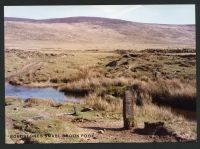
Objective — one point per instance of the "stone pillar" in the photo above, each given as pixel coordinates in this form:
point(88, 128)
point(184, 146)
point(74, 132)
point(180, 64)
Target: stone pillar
point(128, 114)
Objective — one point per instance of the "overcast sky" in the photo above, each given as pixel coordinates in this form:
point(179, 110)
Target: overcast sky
point(163, 14)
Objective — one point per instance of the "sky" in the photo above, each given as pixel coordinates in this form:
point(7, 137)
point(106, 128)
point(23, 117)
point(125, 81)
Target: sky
point(161, 14)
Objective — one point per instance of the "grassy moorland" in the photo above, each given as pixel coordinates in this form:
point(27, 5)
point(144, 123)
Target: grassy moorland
point(160, 79)
point(51, 120)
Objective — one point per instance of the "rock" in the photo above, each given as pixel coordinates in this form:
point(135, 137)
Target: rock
point(183, 137)
point(57, 105)
point(98, 115)
point(8, 104)
point(133, 55)
point(38, 118)
point(126, 55)
point(86, 109)
point(82, 120)
point(157, 128)
point(28, 105)
point(112, 64)
point(29, 121)
point(94, 137)
point(16, 108)
point(50, 126)
point(19, 142)
point(133, 69)
point(15, 82)
point(124, 63)
point(101, 131)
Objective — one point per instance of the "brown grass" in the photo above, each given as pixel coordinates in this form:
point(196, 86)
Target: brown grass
point(169, 92)
point(175, 92)
point(87, 71)
point(107, 103)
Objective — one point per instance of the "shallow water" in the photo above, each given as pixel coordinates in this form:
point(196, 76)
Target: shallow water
point(47, 93)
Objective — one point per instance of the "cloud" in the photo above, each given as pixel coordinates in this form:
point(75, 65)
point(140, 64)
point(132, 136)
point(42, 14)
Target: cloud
point(116, 11)
point(125, 11)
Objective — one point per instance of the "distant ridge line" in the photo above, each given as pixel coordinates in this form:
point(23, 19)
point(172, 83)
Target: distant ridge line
point(79, 19)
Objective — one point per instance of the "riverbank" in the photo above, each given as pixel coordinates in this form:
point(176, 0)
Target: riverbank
point(46, 119)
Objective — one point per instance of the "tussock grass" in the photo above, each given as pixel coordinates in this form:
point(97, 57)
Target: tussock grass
point(91, 83)
point(153, 113)
point(174, 92)
point(100, 86)
point(107, 103)
point(88, 71)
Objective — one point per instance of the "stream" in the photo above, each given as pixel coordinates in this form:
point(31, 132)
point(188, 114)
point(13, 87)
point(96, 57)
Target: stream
point(56, 95)
point(47, 93)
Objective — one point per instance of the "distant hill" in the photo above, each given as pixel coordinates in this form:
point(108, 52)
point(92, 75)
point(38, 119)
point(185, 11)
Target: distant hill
point(95, 33)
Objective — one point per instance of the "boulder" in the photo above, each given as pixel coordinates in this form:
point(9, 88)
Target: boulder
point(112, 64)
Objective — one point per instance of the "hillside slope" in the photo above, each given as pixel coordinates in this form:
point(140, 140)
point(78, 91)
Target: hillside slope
point(95, 33)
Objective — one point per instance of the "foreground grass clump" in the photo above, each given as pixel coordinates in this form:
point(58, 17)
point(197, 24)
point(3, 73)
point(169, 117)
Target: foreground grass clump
point(106, 103)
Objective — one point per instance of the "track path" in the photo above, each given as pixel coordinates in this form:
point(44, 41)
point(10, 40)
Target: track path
point(29, 68)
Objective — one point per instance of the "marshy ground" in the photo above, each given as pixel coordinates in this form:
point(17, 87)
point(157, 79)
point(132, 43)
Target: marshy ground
point(161, 80)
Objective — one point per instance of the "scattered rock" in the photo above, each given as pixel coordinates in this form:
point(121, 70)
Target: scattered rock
point(50, 126)
point(27, 106)
point(124, 63)
point(57, 105)
point(183, 137)
point(86, 109)
point(98, 115)
point(126, 56)
point(101, 131)
point(133, 69)
point(94, 137)
point(19, 142)
point(82, 120)
point(38, 118)
point(133, 55)
point(112, 64)
point(8, 104)
point(16, 108)
point(14, 82)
